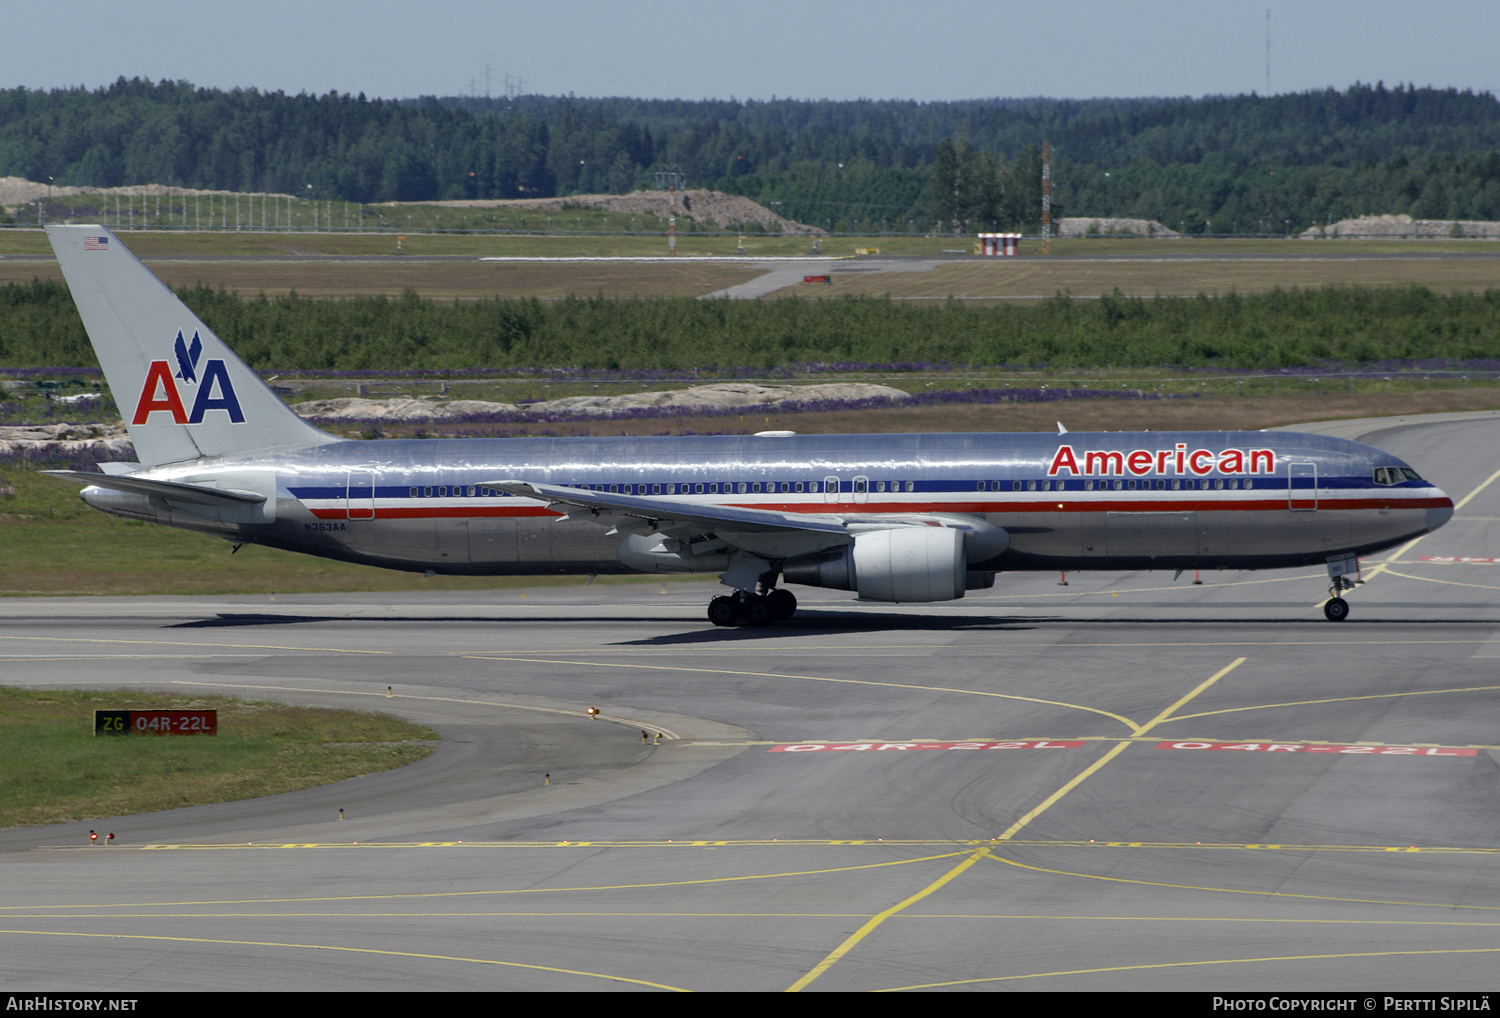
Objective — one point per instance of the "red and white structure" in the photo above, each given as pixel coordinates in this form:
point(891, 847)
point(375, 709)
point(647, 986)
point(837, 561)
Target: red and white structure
point(1000, 243)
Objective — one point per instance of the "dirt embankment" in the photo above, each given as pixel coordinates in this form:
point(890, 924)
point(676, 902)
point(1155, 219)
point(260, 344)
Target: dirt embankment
point(701, 206)
point(1091, 226)
point(18, 191)
point(1403, 226)
point(719, 396)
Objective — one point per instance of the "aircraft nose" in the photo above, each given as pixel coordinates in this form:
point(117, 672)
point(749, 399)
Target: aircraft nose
point(1438, 515)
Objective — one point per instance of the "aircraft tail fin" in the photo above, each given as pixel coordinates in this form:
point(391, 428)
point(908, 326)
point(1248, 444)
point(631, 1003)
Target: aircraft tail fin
point(183, 393)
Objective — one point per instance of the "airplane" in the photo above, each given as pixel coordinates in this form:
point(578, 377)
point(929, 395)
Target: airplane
point(895, 518)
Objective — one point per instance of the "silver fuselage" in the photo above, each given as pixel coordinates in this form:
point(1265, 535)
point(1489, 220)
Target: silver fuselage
point(1114, 500)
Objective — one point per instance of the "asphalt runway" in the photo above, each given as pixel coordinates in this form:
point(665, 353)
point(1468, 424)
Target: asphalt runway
point(1125, 783)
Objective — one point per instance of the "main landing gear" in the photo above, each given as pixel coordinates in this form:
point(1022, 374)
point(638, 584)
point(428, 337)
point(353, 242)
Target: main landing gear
point(745, 608)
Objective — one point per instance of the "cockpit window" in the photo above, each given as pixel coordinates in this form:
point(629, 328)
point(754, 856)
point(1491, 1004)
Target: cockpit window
point(1395, 475)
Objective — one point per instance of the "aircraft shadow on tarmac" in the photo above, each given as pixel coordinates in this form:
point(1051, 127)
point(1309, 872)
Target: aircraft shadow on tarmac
point(834, 624)
point(226, 620)
point(813, 623)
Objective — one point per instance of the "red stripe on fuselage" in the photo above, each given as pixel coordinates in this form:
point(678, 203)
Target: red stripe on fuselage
point(1071, 502)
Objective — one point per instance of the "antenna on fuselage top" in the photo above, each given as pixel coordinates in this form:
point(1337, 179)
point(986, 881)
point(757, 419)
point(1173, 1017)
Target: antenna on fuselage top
point(1060, 429)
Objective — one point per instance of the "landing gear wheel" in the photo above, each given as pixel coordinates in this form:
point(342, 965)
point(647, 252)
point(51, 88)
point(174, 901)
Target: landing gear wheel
point(1336, 609)
point(757, 611)
point(722, 611)
point(782, 604)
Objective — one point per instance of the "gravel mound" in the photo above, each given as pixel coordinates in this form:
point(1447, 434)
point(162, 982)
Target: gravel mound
point(111, 442)
point(1403, 226)
point(101, 441)
point(19, 191)
point(702, 206)
point(727, 395)
point(1079, 226)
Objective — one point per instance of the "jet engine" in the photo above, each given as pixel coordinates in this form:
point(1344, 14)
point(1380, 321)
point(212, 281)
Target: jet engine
point(900, 564)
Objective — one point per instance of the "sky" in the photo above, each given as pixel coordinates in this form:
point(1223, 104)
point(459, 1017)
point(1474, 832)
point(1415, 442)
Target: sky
point(806, 49)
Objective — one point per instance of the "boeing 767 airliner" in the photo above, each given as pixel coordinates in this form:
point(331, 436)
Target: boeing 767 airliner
point(901, 518)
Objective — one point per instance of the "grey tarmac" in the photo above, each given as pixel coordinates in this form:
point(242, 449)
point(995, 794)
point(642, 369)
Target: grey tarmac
point(1154, 840)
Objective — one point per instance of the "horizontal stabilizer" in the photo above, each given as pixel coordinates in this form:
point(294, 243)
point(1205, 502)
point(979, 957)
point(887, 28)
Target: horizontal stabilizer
point(191, 493)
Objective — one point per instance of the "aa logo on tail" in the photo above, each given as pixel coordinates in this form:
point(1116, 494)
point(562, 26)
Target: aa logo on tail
point(213, 391)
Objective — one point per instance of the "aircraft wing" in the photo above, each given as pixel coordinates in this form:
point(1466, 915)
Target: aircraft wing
point(194, 494)
point(605, 507)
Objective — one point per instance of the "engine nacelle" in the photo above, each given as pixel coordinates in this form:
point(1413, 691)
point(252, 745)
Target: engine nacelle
point(910, 564)
point(900, 564)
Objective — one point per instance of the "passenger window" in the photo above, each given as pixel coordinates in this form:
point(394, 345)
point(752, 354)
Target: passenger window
point(1061, 486)
point(812, 486)
point(785, 486)
point(879, 485)
point(1130, 484)
point(1088, 485)
point(426, 492)
point(911, 486)
point(1031, 486)
point(1249, 483)
point(799, 486)
point(1119, 485)
point(414, 493)
point(755, 487)
point(671, 489)
point(1015, 485)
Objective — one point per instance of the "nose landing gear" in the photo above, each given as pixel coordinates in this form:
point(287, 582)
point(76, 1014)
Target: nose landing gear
point(744, 607)
point(1336, 609)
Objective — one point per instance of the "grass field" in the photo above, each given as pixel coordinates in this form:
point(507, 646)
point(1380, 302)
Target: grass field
point(431, 279)
point(1177, 277)
point(161, 243)
point(965, 281)
point(53, 768)
point(1179, 267)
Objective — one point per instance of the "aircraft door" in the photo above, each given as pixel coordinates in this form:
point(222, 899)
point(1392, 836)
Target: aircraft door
point(861, 489)
point(1302, 486)
point(359, 495)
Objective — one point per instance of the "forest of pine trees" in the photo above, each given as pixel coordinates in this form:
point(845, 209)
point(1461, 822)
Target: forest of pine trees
point(1232, 164)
